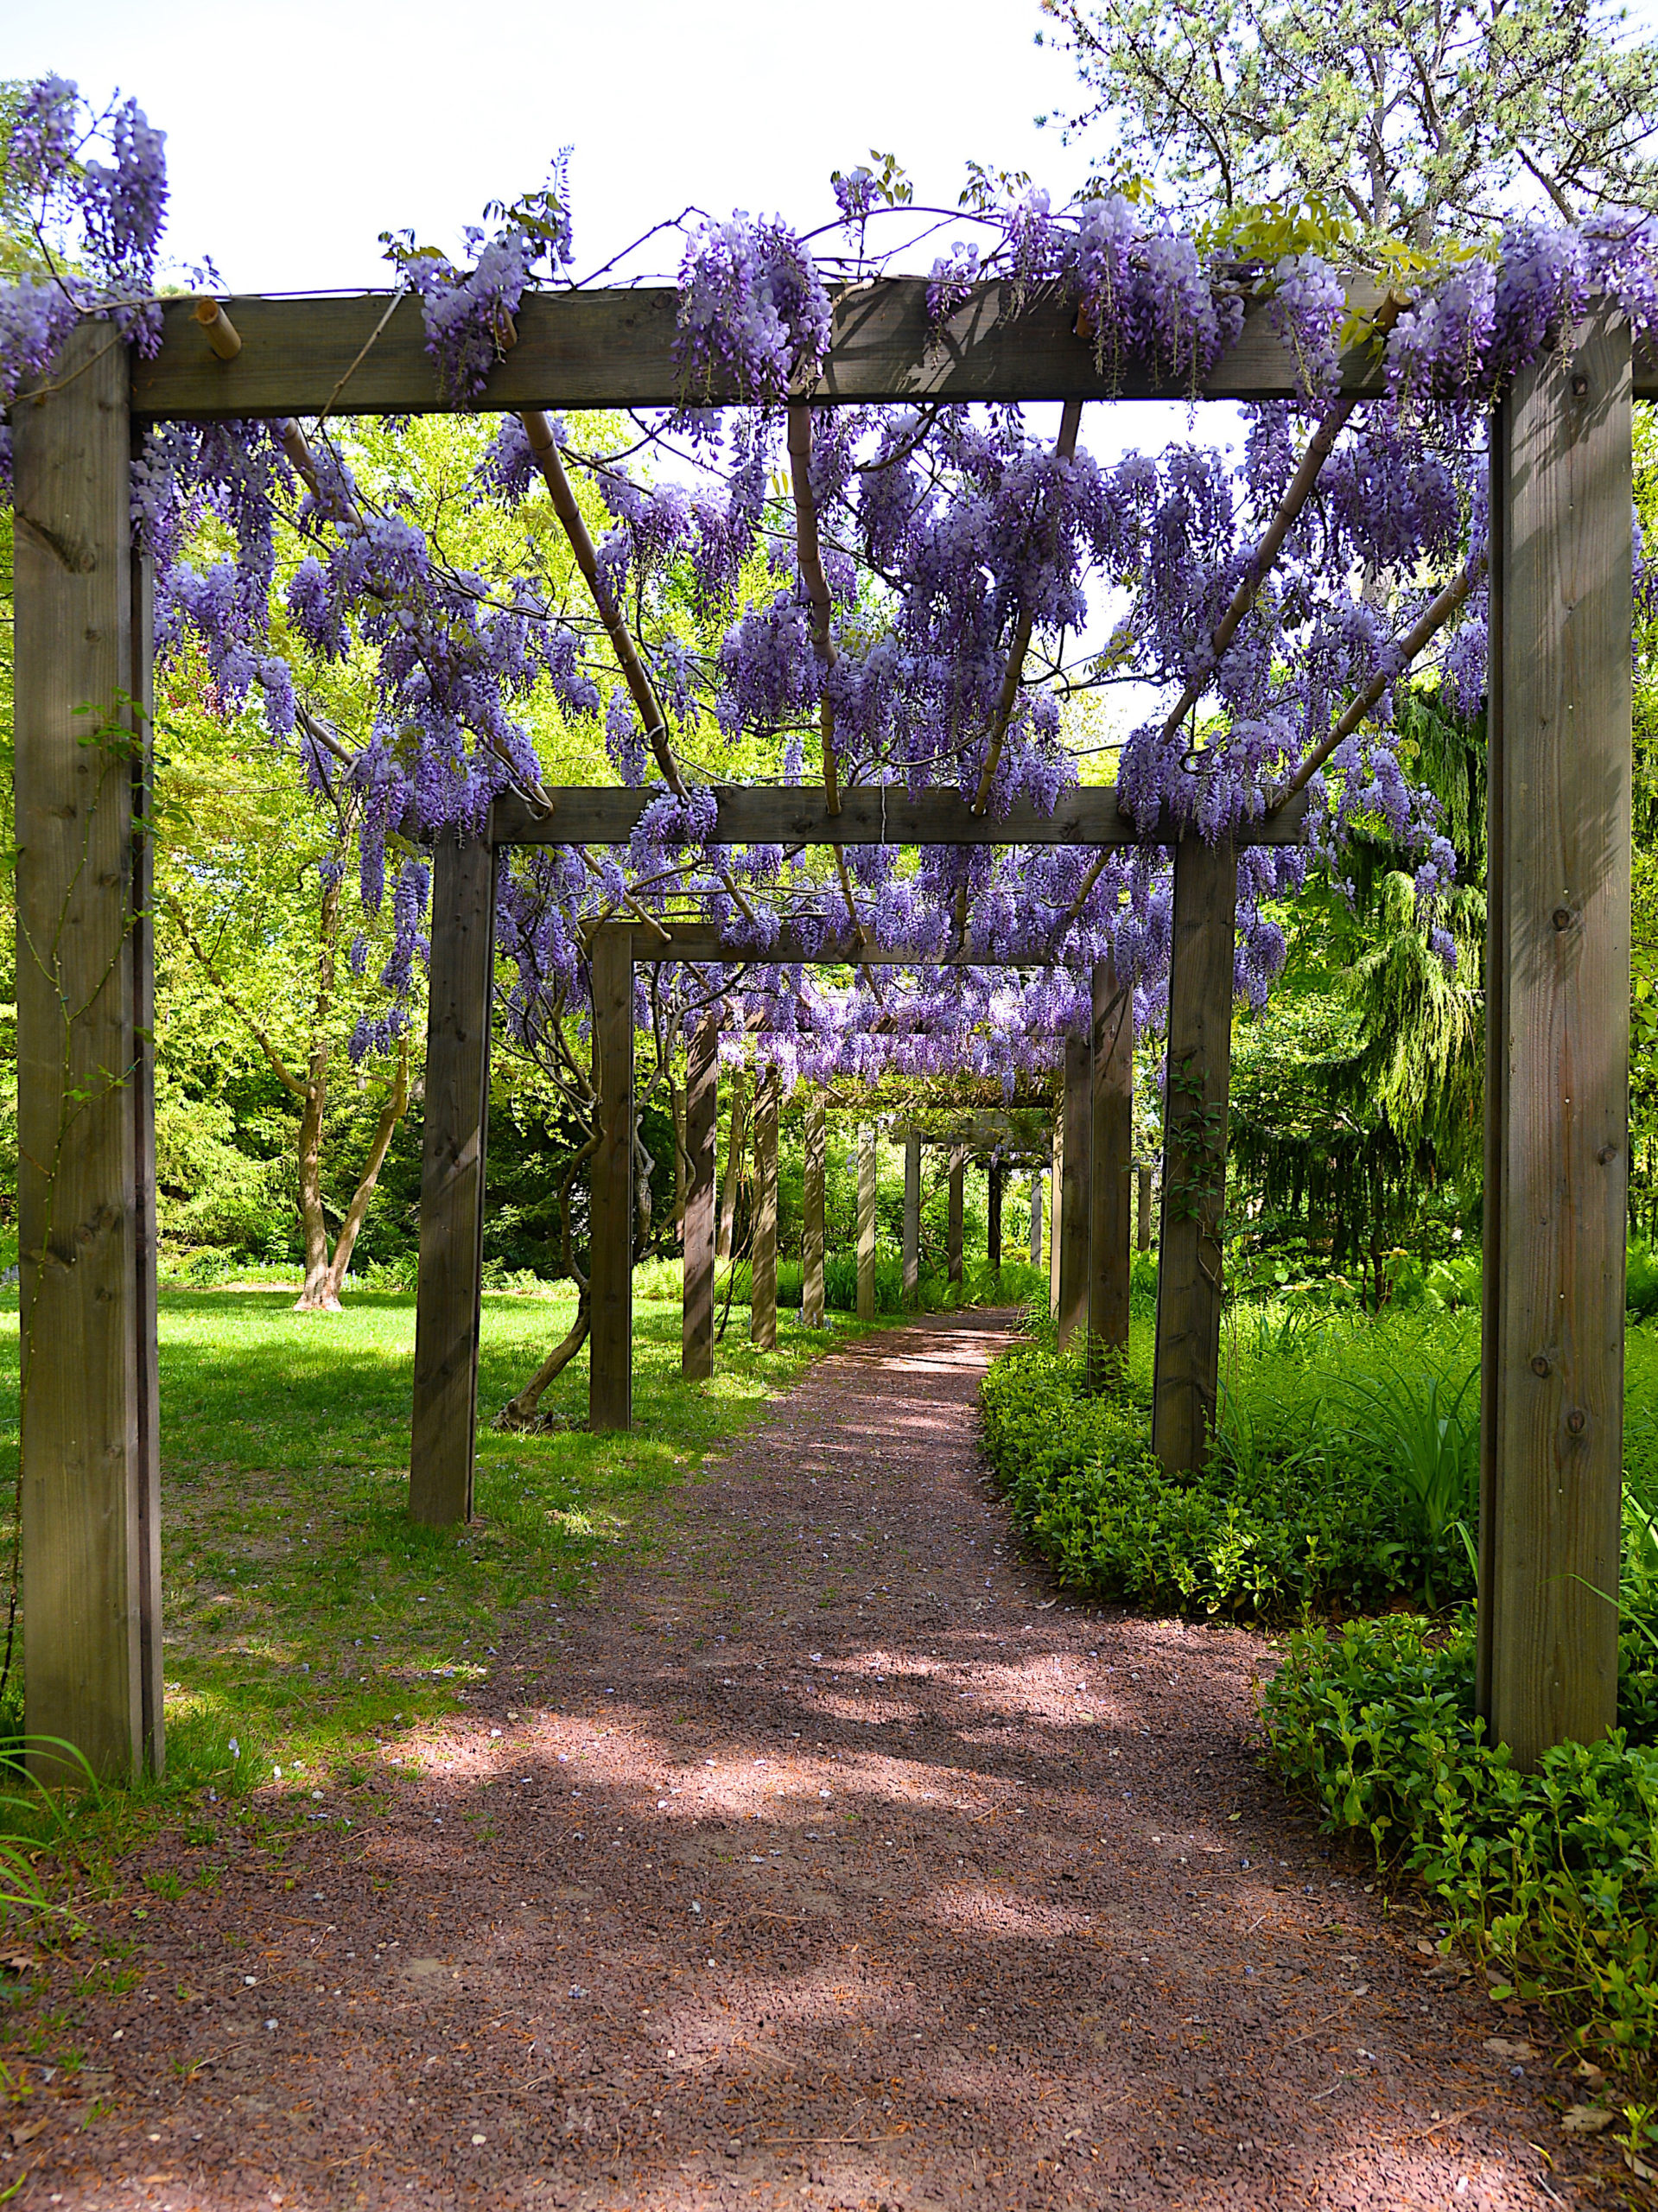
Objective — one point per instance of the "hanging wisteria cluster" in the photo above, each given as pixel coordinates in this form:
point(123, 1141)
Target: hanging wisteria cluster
point(903, 596)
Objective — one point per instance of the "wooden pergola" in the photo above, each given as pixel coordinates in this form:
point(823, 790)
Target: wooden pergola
point(1557, 963)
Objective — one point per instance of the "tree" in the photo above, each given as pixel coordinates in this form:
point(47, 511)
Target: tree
point(1408, 118)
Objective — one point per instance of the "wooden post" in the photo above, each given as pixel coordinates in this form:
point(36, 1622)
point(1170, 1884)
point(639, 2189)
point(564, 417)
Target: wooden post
point(1557, 1031)
point(1143, 1217)
point(682, 1163)
point(736, 1137)
point(957, 1171)
point(1194, 1153)
point(1036, 1217)
point(1055, 1203)
point(702, 1109)
point(610, 1261)
point(912, 1218)
point(89, 1497)
point(763, 1295)
point(444, 1424)
point(1110, 1141)
point(992, 1240)
point(811, 1238)
point(866, 1223)
point(1073, 1222)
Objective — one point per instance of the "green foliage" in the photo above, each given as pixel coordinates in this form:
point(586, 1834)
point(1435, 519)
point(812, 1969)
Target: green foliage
point(1422, 1429)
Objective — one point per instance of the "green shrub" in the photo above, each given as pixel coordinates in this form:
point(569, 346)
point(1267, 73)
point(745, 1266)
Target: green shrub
point(1553, 1875)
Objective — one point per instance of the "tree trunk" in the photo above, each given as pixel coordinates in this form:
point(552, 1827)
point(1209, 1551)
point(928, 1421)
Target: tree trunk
point(521, 1412)
point(319, 1294)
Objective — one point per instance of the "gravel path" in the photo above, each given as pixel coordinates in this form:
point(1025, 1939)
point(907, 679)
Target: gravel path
point(843, 1866)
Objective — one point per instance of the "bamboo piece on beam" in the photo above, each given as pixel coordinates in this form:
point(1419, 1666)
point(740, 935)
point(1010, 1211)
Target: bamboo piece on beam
point(957, 1172)
point(1199, 1063)
point(702, 1108)
point(866, 1223)
point(763, 1294)
point(1074, 1202)
point(912, 1219)
point(90, 1492)
point(811, 1237)
point(610, 1261)
point(444, 1422)
point(1110, 1141)
point(1143, 1213)
point(1557, 1031)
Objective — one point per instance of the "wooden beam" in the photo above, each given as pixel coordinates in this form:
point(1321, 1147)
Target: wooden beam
point(702, 1112)
point(912, 1219)
point(1199, 1062)
point(763, 1296)
point(610, 1260)
point(799, 814)
point(1110, 1161)
point(89, 1490)
point(811, 1234)
point(867, 1221)
point(993, 1238)
point(1143, 1212)
point(444, 1423)
point(1077, 1113)
point(957, 1174)
point(1557, 1031)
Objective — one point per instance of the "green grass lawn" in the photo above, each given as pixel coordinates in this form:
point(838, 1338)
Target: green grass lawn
point(306, 1615)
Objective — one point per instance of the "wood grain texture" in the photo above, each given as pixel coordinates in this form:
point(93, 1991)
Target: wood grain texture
point(610, 1264)
point(1035, 1219)
point(992, 1230)
point(1143, 1212)
point(763, 1304)
point(702, 1113)
point(912, 1218)
point(454, 1139)
point(867, 1221)
point(147, 1502)
point(957, 1178)
point(612, 347)
point(1557, 1029)
point(1077, 1113)
point(91, 1606)
point(1111, 1169)
point(1194, 1155)
point(811, 1232)
point(799, 814)
point(1056, 1206)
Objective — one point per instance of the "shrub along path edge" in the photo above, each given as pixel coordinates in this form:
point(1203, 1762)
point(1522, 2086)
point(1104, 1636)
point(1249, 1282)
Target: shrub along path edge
point(848, 1866)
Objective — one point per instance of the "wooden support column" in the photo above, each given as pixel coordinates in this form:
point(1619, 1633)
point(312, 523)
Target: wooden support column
point(993, 1242)
point(1036, 1217)
point(736, 1138)
point(702, 1111)
point(957, 1172)
point(610, 1261)
point(866, 1223)
point(811, 1236)
point(1110, 1141)
point(763, 1295)
point(1194, 1153)
point(444, 1426)
point(1055, 1203)
point(1556, 1031)
point(1143, 1213)
point(912, 1219)
point(1072, 1225)
point(90, 1650)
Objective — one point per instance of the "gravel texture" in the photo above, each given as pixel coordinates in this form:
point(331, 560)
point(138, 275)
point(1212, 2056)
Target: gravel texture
point(838, 1862)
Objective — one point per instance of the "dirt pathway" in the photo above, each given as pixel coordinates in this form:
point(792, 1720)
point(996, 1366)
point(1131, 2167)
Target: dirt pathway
point(839, 1864)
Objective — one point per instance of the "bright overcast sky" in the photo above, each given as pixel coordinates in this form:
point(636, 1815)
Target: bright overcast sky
point(297, 133)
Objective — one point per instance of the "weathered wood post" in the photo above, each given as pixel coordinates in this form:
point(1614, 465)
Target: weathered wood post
point(866, 1223)
point(1072, 1223)
point(1199, 1055)
point(1036, 1217)
point(1557, 1061)
point(610, 1261)
point(993, 1233)
point(85, 1181)
point(1143, 1213)
point(811, 1236)
point(702, 1112)
point(736, 1138)
point(1056, 1205)
point(912, 1218)
point(1110, 1141)
point(763, 1270)
point(443, 1427)
point(957, 1174)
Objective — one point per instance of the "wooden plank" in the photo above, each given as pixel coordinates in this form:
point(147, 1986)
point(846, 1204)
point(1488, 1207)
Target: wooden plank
point(1143, 1213)
point(1557, 1030)
point(811, 1236)
point(1056, 1206)
point(1199, 1060)
point(866, 1223)
point(365, 353)
point(1036, 1217)
point(1077, 1113)
point(91, 1603)
point(141, 688)
point(702, 1112)
point(610, 1261)
point(912, 1219)
point(957, 1174)
point(1110, 1165)
point(799, 814)
point(992, 1236)
point(763, 1298)
point(444, 1424)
